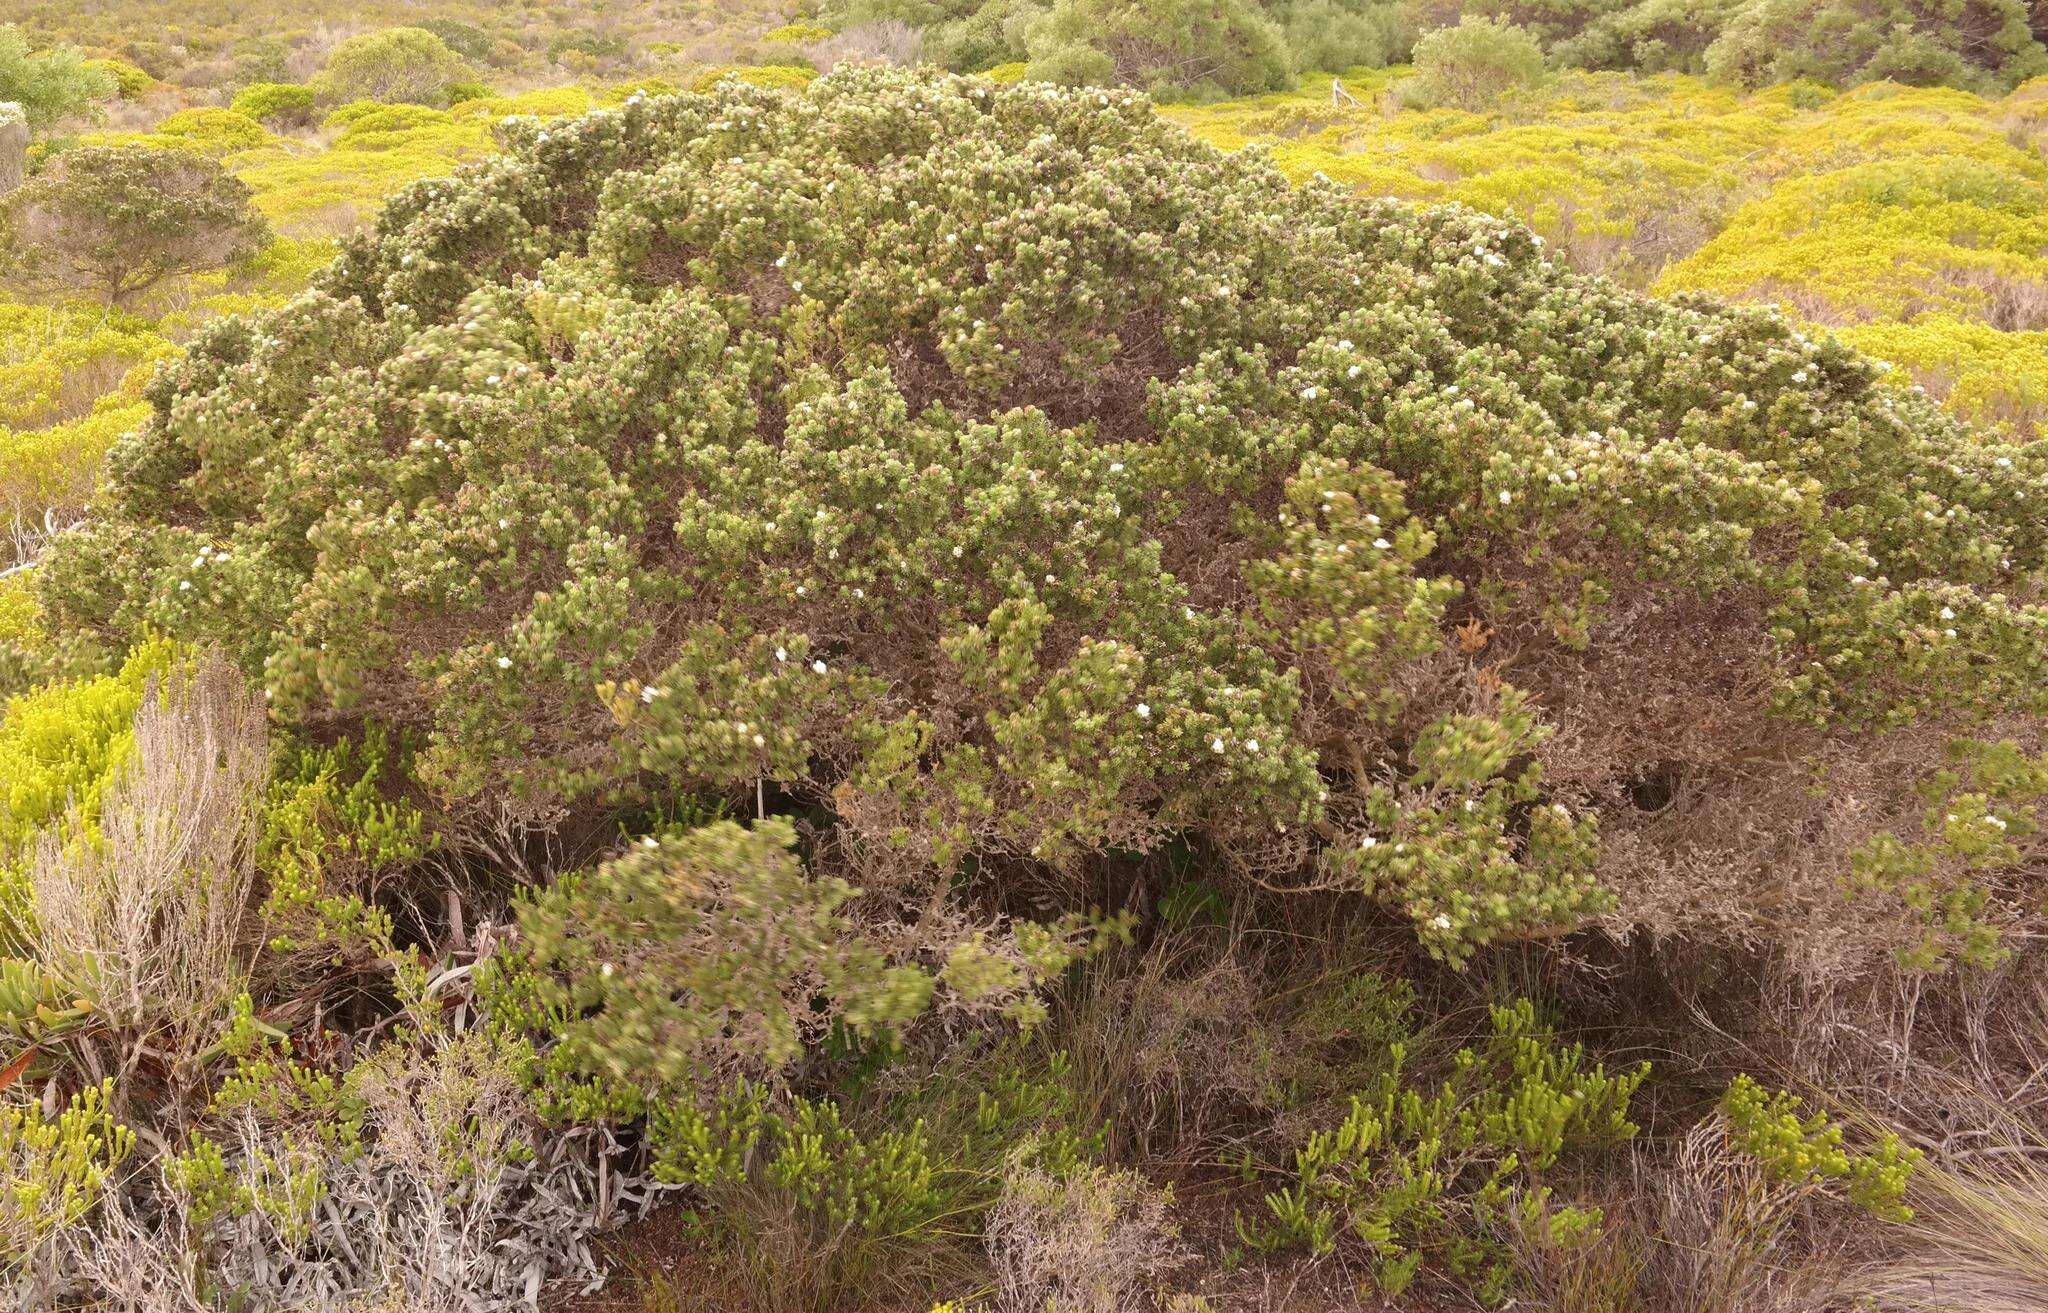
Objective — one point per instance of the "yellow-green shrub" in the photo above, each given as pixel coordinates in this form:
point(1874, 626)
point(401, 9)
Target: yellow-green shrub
point(215, 132)
point(60, 362)
point(779, 77)
point(129, 81)
point(54, 1169)
point(284, 103)
point(60, 744)
point(50, 473)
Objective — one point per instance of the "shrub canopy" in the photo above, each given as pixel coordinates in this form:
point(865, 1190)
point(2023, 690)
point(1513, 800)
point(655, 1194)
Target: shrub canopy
point(118, 220)
point(1022, 484)
point(398, 64)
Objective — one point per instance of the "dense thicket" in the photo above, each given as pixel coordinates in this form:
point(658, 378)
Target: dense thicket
point(1025, 484)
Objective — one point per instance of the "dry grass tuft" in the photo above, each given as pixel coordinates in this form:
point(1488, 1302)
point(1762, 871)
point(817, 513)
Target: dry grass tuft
point(1096, 1242)
point(149, 919)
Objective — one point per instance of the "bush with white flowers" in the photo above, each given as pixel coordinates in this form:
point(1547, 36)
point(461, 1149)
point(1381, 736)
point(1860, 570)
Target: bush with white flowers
point(1015, 483)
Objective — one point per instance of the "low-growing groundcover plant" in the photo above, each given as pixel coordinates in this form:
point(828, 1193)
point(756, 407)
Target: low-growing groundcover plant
point(853, 553)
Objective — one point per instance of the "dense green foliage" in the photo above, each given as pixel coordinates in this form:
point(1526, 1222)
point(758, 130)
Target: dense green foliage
point(694, 487)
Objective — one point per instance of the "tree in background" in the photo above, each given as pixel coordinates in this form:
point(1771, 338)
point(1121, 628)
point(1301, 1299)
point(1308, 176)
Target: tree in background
point(1333, 35)
point(115, 221)
point(49, 85)
point(1474, 64)
point(1982, 45)
point(1652, 36)
point(397, 65)
point(1197, 49)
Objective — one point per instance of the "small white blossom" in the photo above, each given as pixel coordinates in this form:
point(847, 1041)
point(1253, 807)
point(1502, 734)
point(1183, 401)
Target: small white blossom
point(818, 666)
point(504, 663)
point(1216, 745)
point(1144, 711)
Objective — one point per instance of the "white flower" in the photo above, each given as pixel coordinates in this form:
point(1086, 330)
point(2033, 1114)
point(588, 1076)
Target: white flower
point(1947, 614)
point(1381, 543)
point(493, 379)
point(1216, 745)
point(1504, 497)
point(649, 841)
point(1251, 745)
point(1354, 371)
point(649, 693)
point(1144, 711)
point(504, 663)
point(1442, 922)
point(1308, 394)
point(782, 654)
point(760, 742)
point(1369, 841)
point(184, 584)
point(1116, 467)
point(818, 666)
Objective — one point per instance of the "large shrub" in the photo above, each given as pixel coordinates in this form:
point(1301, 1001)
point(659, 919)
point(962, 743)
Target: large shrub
point(1474, 65)
point(404, 64)
point(116, 221)
point(1020, 486)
